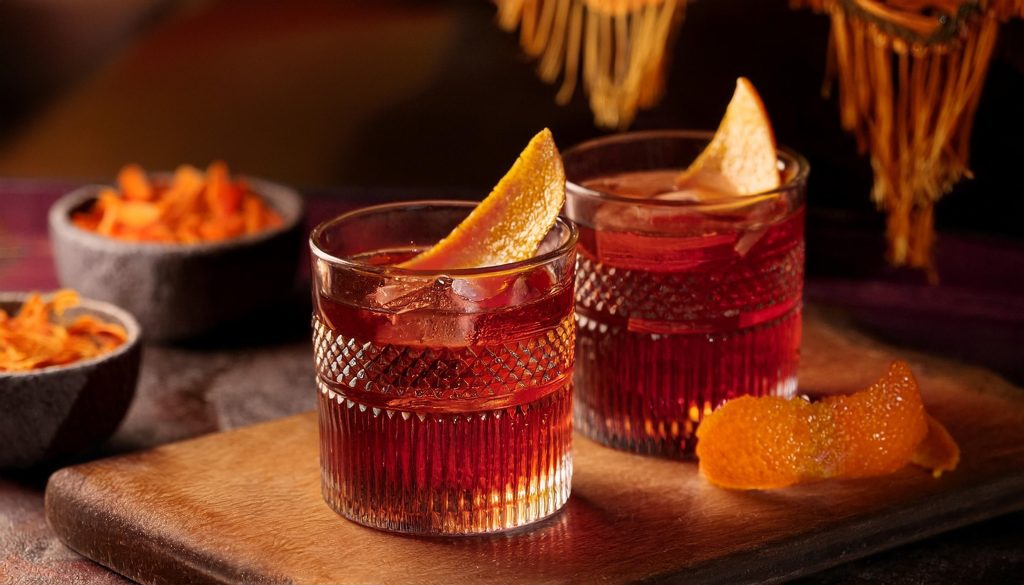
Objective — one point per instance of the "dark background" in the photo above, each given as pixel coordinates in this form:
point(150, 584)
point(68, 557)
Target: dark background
point(391, 96)
point(431, 94)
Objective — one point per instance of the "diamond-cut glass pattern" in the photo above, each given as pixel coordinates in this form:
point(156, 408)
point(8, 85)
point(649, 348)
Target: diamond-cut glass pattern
point(443, 373)
point(690, 295)
point(667, 333)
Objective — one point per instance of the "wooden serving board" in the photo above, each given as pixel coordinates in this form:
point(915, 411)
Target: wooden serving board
point(245, 507)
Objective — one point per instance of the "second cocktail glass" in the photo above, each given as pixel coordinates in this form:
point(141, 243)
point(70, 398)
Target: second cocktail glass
point(681, 304)
point(445, 396)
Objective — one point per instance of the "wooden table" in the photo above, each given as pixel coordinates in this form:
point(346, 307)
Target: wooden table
point(190, 390)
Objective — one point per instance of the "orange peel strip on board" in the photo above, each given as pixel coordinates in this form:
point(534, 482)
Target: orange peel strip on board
point(511, 222)
point(741, 157)
point(772, 442)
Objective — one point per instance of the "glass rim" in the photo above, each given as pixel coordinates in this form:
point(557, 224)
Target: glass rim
point(563, 248)
point(794, 183)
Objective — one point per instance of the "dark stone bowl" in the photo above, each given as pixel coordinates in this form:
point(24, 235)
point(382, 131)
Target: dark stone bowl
point(181, 291)
point(66, 410)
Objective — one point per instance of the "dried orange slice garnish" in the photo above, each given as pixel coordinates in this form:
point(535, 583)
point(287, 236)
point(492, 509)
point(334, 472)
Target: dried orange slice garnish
point(511, 222)
point(740, 159)
point(194, 207)
point(34, 338)
point(771, 442)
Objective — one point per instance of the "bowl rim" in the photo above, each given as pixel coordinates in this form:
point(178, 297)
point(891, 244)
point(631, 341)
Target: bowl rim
point(97, 308)
point(276, 194)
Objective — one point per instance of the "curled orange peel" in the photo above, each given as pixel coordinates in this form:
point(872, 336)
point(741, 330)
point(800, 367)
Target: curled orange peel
point(772, 442)
point(741, 158)
point(511, 222)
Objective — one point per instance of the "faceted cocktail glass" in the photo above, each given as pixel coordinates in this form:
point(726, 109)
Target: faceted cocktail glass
point(680, 304)
point(445, 397)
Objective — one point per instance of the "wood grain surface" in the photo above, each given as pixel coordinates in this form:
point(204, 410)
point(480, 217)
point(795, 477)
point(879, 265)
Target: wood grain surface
point(245, 507)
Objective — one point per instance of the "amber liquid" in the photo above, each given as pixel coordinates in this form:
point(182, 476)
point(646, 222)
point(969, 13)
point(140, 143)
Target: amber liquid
point(440, 422)
point(673, 323)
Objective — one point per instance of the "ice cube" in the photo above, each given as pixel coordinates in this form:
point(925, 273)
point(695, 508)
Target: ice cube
point(639, 185)
point(694, 194)
point(520, 291)
point(550, 242)
point(428, 329)
point(748, 239)
point(619, 217)
point(473, 290)
point(430, 315)
point(488, 292)
point(409, 294)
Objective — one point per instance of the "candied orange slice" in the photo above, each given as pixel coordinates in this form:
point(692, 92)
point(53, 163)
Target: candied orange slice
point(511, 222)
point(761, 443)
point(771, 442)
point(740, 159)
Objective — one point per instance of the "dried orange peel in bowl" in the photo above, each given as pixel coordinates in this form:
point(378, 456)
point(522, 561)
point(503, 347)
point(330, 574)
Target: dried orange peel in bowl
point(772, 442)
point(193, 207)
point(35, 338)
point(740, 160)
point(509, 225)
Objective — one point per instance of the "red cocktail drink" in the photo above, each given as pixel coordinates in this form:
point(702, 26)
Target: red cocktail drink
point(445, 397)
point(681, 304)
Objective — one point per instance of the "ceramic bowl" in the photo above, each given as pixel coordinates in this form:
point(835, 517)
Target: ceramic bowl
point(181, 291)
point(65, 410)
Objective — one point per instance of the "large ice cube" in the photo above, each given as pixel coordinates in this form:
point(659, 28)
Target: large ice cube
point(410, 294)
point(749, 239)
point(426, 313)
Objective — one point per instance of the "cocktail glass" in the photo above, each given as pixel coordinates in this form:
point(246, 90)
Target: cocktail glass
point(681, 304)
point(445, 396)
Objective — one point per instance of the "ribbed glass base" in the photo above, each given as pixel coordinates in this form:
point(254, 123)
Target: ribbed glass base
point(446, 473)
point(647, 392)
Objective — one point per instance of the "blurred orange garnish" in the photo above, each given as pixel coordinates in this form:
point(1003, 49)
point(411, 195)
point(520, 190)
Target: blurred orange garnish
point(134, 183)
point(938, 451)
point(771, 442)
point(194, 207)
point(741, 158)
point(511, 222)
point(33, 339)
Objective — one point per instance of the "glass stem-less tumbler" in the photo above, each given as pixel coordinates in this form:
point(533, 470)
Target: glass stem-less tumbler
point(681, 302)
point(445, 396)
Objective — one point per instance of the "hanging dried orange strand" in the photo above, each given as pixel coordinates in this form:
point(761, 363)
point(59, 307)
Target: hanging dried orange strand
point(1007, 9)
point(910, 76)
point(618, 47)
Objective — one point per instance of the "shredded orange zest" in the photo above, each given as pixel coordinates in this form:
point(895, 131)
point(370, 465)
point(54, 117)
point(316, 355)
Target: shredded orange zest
point(511, 222)
point(35, 338)
point(741, 158)
point(772, 442)
point(195, 207)
point(134, 183)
